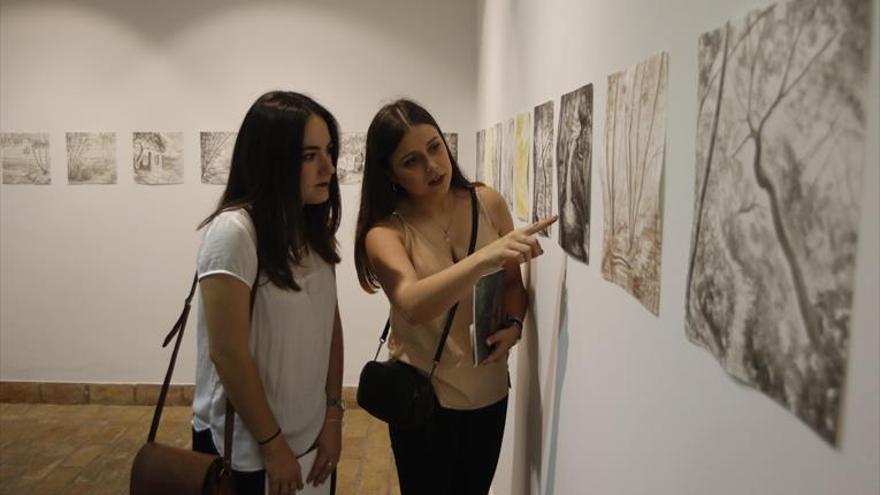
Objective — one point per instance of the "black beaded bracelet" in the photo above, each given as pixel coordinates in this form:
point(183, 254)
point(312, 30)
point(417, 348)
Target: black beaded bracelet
point(264, 442)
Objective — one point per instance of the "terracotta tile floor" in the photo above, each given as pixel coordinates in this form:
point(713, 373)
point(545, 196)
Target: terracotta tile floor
point(78, 450)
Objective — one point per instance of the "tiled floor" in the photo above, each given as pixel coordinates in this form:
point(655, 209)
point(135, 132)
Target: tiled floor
point(78, 450)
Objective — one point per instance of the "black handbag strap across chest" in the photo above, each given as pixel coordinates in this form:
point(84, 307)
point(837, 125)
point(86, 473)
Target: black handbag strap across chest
point(475, 218)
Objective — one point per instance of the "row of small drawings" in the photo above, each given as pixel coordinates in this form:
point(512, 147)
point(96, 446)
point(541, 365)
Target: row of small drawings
point(157, 157)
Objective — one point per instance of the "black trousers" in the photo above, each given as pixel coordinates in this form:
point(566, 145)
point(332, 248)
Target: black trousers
point(456, 454)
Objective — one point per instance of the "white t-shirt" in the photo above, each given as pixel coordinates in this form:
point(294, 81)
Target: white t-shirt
point(289, 341)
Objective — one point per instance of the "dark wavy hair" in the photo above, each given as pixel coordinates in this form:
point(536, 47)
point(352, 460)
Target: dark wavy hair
point(378, 197)
point(264, 179)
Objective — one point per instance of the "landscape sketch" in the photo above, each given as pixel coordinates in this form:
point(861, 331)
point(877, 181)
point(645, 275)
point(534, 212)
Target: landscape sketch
point(91, 157)
point(489, 158)
point(635, 144)
point(216, 156)
point(542, 165)
point(574, 164)
point(352, 151)
point(780, 150)
point(480, 167)
point(25, 158)
point(507, 160)
point(452, 142)
point(158, 158)
point(496, 156)
point(522, 154)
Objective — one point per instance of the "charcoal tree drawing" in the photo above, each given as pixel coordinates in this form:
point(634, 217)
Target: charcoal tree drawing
point(158, 157)
point(480, 168)
point(635, 143)
point(352, 150)
point(508, 146)
point(452, 143)
point(91, 158)
point(574, 158)
point(780, 151)
point(542, 165)
point(216, 148)
point(25, 158)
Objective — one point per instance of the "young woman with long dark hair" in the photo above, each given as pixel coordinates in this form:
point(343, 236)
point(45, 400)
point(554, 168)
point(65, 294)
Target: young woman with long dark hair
point(413, 232)
point(280, 364)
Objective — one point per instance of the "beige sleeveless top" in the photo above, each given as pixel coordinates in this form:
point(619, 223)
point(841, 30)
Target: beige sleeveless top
point(457, 382)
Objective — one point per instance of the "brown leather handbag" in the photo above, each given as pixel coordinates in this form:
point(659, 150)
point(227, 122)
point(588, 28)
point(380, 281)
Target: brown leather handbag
point(163, 469)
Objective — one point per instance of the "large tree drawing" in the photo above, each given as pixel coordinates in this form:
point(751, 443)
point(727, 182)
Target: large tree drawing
point(779, 155)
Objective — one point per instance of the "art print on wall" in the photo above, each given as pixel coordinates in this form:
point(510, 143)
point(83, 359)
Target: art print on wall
point(522, 154)
point(574, 158)
point(480, 168)
point(216, 156)
point(25, 158)
point(780, 153)
point(496, 156)
point(542, 165)
point(489, 157)
point(508, 150)
point(635, 144)
point(158, 157)
point(352, 151)
point(452, 143)
point(91, 157)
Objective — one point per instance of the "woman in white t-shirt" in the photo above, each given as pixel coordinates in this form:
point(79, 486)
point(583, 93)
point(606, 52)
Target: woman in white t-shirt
point(279, 363)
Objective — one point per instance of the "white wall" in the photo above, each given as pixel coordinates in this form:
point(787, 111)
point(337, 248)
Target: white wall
point(93, 276)
point(623, 403)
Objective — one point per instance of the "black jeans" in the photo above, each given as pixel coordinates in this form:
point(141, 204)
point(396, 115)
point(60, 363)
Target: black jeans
point(455, 454)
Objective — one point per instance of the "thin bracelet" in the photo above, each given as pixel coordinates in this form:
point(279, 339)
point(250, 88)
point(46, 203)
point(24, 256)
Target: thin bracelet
point(264, 442)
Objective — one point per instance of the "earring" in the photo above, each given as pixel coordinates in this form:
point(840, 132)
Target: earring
point(394, 187)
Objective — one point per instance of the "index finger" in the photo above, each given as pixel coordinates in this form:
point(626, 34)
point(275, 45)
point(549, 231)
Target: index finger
point(540, 225)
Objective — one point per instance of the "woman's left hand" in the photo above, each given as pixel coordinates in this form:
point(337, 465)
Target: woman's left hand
point(329, 449)
point(501, 341)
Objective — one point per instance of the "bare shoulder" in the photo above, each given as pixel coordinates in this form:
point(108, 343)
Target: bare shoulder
point(385, 231)
point(496, 206)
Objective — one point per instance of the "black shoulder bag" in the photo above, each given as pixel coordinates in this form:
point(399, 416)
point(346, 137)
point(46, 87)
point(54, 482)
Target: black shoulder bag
point(396, 392)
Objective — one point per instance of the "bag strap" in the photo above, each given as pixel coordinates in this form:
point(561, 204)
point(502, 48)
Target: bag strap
point(448, 326)
point(177, 331)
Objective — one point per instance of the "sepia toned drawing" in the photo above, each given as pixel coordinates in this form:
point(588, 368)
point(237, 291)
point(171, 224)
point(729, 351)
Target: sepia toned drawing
point(452, 143)
point(635, 143)
point(352, 151)
point(496, 156)
point(216, 156)
point(481, 156)
point(574, 159)
point(158, 158)
point(542, 165)
point(25, 158)
point(508, 147)
point(780, 152)
point(522, 154)
point(91, 158)
point(489, 158)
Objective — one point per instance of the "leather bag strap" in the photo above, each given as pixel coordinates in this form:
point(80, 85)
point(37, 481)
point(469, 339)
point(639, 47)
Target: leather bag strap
point(177, 331)
point(475, 217)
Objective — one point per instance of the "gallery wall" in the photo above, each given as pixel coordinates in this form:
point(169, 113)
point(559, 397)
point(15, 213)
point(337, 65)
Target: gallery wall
point(608, 397)
point(94, 275)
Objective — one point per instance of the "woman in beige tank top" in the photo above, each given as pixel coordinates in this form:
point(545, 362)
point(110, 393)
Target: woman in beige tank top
point(413, 232)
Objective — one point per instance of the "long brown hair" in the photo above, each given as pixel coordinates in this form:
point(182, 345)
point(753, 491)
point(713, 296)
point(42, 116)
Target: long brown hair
point(378, 196)
point(264, 179)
